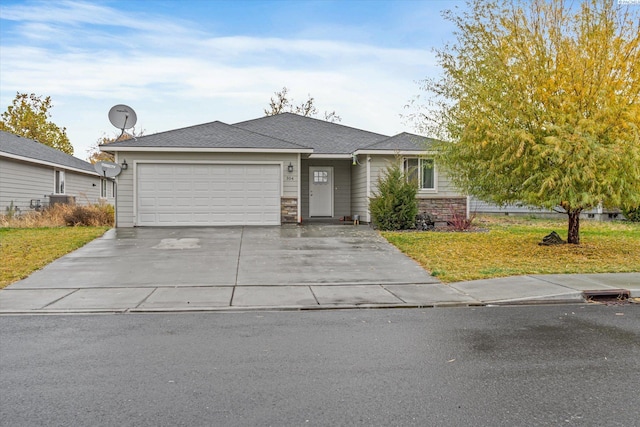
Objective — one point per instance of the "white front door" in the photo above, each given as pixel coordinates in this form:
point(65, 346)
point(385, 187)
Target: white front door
point(320, 191)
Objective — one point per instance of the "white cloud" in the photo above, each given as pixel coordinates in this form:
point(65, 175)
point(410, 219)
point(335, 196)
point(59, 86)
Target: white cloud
point(75, 13)
point(177, 77)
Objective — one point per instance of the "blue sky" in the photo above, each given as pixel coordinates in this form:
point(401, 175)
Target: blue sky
point(182, 63)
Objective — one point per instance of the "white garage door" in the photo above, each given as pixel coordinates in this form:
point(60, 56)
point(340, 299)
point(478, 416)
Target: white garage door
point(199, 194)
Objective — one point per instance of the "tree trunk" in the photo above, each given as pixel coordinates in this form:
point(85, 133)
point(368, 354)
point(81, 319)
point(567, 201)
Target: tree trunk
point(573, 234)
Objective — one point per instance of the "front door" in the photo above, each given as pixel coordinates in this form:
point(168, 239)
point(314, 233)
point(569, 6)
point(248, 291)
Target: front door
point(320, 191)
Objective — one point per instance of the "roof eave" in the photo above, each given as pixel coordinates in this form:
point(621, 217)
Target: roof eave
point(397, 152)
point(107, 148)
point(45, 163)
point(330, 156)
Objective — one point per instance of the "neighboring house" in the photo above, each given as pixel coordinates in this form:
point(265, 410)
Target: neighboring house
point(273, 170)
point(32, 175)
point(484, 208)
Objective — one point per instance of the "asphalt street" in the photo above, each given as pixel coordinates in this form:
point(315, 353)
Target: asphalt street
point(491, 366)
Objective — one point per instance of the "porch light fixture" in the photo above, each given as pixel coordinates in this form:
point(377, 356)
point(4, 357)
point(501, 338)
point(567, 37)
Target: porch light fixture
point(124, 165)
point(290, 167)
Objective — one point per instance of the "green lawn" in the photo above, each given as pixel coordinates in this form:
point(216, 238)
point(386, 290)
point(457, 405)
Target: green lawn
point(509, 247)
point(24, 250)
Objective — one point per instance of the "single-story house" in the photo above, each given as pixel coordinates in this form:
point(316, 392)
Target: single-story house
point(272, 170)
point(33, 175)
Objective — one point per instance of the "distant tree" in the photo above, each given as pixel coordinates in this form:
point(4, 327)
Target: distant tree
point(28, 116)
point(284, 104)
point(95, 155)
point(540, 101)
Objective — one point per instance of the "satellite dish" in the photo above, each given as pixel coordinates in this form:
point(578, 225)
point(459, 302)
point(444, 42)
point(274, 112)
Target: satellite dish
point(108, 169)
point(122, 117)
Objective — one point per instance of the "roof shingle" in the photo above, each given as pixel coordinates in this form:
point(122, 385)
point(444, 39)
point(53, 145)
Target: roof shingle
point(208, 135)
point(282, 131)
point(324, 137)
point(31, 149)
point(403, 142)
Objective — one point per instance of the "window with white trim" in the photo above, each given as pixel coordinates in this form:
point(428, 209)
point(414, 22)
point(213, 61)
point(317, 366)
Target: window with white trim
point(59, 182)
point(421, 171)
point(103, 188)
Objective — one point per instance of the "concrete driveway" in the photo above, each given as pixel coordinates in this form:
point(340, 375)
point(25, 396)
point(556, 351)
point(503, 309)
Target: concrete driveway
point(198, 268)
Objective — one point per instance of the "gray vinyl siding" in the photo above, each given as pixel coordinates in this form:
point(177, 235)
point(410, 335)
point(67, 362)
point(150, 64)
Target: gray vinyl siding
point(125, 208)
point(444, 189)
point(21, 182)
point(482, 207)
point(85, 188)
point(378, 167)
point(445, 186)
point(359, 196)
point(479, 206)
point(341, 185)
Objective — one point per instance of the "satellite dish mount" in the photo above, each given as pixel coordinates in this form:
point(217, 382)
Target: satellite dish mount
point(108, 169)
point(123, 117)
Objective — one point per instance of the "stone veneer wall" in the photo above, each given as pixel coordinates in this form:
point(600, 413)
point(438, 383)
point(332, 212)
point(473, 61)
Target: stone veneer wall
point(442, 208)
point(288, 210)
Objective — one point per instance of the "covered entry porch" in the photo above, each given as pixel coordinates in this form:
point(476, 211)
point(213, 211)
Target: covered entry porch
point(327, 191)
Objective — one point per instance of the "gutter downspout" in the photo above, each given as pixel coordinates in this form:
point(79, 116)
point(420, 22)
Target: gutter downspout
point(115, 198)
point(368, 187)
point(299, 190)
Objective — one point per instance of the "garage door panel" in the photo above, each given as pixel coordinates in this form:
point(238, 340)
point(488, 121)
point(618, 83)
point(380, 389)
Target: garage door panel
point(199, 194)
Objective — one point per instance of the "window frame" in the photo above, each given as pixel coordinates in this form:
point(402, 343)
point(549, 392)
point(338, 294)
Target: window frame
point(320, 177)
point(59, 179)
point(417, 163)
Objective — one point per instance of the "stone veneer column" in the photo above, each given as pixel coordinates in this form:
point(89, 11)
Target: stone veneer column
point(288, 210)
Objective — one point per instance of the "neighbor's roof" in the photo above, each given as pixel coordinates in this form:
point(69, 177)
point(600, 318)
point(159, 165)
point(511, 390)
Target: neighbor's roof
point(26, 149)
point(403, 142)
point(214, 135)
point(323, 136)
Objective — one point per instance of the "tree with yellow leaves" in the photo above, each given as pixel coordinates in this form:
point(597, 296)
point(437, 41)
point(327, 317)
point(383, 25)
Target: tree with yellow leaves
point(28, 116)
point(539, 103)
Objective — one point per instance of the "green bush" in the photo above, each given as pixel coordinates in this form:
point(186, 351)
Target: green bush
point(394, 205)
point(632, 213)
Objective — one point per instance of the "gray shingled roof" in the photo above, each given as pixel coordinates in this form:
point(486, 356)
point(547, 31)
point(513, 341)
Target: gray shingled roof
point(403, 142)
point(324, 137)
point(209, 135)
point(282, 131)
point(28, 148)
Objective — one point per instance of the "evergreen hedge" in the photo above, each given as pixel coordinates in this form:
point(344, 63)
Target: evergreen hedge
point(394, 205)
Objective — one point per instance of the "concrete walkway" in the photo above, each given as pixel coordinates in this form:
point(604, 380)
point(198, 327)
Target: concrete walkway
point(242, 268)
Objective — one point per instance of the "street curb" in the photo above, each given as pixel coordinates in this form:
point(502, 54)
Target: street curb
point(229, 309)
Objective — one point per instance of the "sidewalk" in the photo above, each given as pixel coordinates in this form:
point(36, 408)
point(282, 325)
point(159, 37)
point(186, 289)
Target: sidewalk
point(538, 289)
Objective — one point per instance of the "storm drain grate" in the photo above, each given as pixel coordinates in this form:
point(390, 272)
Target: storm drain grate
point(609, 296)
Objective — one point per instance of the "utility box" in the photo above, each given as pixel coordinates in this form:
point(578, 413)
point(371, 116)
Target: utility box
point(61, 199)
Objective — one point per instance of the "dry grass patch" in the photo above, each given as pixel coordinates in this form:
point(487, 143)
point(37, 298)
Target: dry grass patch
point(510, 247)
point(59, 215)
